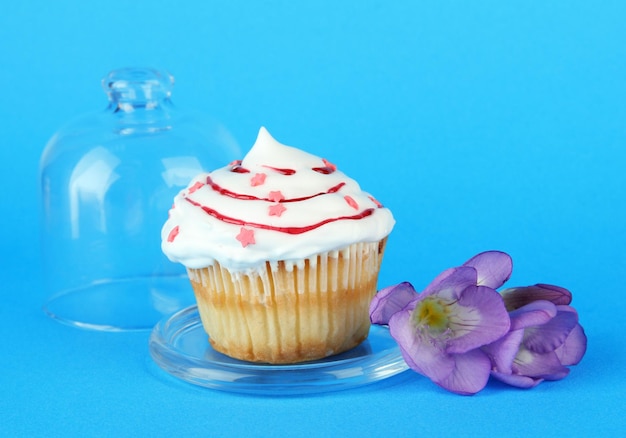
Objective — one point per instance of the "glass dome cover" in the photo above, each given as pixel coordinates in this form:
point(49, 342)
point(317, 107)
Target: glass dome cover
point(107, 182)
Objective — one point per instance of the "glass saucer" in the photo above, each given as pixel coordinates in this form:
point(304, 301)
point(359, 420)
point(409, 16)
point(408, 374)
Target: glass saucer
point(180, 346)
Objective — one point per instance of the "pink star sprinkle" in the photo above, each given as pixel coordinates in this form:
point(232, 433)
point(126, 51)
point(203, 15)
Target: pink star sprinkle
point(275, 196)
point(246, 237)
point(173, 234)
point(329, 164)
point(258, 179)
point(351, 202)
point(195, 187)
point(276, 210)
point(378, 204)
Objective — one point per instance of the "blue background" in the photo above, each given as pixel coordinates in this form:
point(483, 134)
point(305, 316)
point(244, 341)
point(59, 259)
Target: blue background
point(482, 125)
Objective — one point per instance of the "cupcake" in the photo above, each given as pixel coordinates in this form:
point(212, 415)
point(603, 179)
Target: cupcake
point(283, 252)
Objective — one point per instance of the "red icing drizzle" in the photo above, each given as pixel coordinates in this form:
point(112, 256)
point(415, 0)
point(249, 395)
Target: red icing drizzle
point(283, 171)
point(226, 192)
point(327, 169)
point(288, 230)
point(324, 170)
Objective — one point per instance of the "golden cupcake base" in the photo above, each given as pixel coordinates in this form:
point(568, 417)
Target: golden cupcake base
point(289, 312)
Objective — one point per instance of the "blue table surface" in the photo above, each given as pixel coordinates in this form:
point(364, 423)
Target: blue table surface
point(482, 125)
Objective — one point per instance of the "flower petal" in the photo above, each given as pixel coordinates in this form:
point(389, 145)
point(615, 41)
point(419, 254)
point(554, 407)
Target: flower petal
point(493, 267)
point(420, 354)
point(503, 351)
point(469, 375)
point(390, 300)
point(516, 297)
point(451, 282)
point(540, 365)
point(517, 380)
point(574, 347)
point(557, 375)
point(535, 313)
point(476, 319)
point(551, 335)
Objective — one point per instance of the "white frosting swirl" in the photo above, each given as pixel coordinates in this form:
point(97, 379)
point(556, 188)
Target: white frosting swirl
point(278, 203)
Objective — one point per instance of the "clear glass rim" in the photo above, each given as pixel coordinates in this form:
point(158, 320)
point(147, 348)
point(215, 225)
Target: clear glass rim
point(180, 347)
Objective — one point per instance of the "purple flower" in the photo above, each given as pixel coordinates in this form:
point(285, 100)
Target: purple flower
point(545, 337)
point(441, 330)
